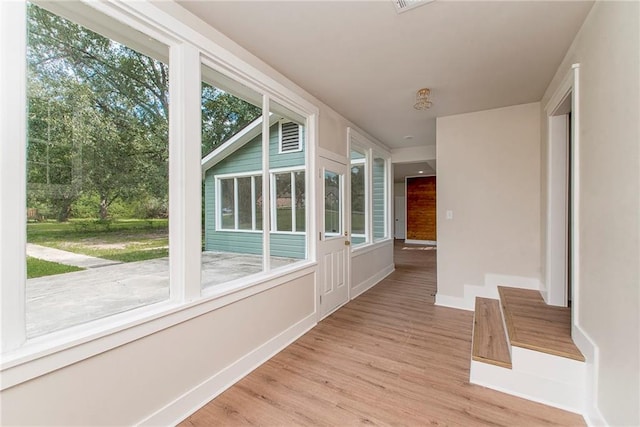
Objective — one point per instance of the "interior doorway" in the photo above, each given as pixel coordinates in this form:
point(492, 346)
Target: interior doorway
point(399, 213)
point(560, 207)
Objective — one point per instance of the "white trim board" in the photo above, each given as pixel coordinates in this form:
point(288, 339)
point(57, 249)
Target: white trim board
point(362, 287)
point(419, 242)
point(489, 290)
point(194, 399)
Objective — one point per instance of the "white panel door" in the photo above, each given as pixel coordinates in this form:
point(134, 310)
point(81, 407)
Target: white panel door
point(334, 245)
point(400, 215)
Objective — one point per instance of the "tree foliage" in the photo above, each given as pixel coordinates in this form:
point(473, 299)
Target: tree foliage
point(98, 119)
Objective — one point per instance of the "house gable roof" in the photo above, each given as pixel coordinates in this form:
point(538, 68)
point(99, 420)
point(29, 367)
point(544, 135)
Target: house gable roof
point(236, 142)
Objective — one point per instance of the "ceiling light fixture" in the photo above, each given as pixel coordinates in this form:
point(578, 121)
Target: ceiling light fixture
point(422, 99)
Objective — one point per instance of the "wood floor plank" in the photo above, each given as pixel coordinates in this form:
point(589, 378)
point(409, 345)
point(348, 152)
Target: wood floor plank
point(534, 325)
point(390, 357)
point(489, 338)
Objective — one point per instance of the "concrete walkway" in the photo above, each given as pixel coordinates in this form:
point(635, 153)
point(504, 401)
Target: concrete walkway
point(67, 258)
point(64, 300)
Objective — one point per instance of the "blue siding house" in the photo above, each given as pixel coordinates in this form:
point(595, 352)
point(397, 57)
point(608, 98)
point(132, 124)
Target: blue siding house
point(233, 199)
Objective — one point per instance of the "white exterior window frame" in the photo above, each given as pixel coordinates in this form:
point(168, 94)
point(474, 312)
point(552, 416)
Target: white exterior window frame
point(218, 201)
point(274, 199)
point(24, 359)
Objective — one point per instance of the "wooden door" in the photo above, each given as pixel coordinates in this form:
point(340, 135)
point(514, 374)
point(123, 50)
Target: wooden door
point(421, 209)
point(334, 245)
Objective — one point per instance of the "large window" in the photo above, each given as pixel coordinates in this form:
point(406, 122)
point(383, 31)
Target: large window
point(117, 160)
point(237, 177)
point(97, 164)
point(369, 192)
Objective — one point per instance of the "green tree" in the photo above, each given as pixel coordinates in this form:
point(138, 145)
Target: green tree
point(223, 115)
point(122, 115)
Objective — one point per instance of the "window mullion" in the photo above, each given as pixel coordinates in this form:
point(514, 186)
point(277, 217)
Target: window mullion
point(368, 188)
point(293, 202)
point(185, 197)
point(13, 172)
point(253, 203)
point(235, 204)
point(266, 191)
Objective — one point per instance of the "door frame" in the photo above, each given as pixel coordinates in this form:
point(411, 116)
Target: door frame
point(406, 211)
point(555, 252)
point(404, 214)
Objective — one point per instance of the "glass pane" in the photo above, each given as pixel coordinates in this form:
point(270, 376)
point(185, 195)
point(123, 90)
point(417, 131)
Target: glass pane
point(358, 196)
point(300, 201)
point(282, 202)
point(231, 116)
point(332, 204)
point(258, 201)
point(245, 203)
point(227, 202)
point(97, 165)
point(379, 201)
point(288, 205)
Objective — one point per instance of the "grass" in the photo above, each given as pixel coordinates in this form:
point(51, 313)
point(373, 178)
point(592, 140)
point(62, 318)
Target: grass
point(38, 268)
point(122, 240)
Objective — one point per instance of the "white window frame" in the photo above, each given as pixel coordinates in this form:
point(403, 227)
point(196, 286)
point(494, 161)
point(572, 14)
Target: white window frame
point(23, 359)
point(300, 138)
point(218, 201)
point(274, 201)
point(358, 142)
point(375, 154)
point(365, 163)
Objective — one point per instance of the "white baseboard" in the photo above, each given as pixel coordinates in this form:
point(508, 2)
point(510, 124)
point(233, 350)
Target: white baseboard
point(453, 302)
point(488, 290)
point(592, 414)
point(420, 242)
point(362, 287)
point(197, 397)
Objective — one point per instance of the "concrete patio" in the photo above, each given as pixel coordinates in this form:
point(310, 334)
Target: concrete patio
point(64, 300)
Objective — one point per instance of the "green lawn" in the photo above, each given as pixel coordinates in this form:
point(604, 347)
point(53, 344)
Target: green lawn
point(122, 240)
point(38, 268)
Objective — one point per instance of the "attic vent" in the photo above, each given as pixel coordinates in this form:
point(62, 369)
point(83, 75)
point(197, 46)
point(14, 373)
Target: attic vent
point(404, 5)
point(289, 137)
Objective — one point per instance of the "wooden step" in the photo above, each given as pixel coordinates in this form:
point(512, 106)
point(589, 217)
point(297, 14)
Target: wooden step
point(534, 325)
point(489, 339)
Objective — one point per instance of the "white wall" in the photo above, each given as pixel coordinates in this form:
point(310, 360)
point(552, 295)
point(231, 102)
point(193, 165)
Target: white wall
point(488, 175)
point(168, 374)
point(608, 49)
point(399, 189)
point(370, 265)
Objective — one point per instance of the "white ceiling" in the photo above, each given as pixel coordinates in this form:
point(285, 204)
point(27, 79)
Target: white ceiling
point(366, 61)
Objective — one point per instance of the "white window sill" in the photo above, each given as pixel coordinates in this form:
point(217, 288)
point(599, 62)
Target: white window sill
point(364, 248)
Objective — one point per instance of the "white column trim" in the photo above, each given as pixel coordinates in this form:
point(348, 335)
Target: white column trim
point(13, 173)
point(185, 198)
point(266, 180)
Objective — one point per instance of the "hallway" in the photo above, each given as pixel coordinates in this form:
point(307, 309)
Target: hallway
point(388, 357)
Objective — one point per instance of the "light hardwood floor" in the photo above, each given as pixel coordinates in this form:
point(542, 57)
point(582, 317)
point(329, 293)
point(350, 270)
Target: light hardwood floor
point(537, 326)
point(390, 357)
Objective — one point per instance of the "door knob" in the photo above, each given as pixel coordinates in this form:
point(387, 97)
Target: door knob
point(347, 243)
